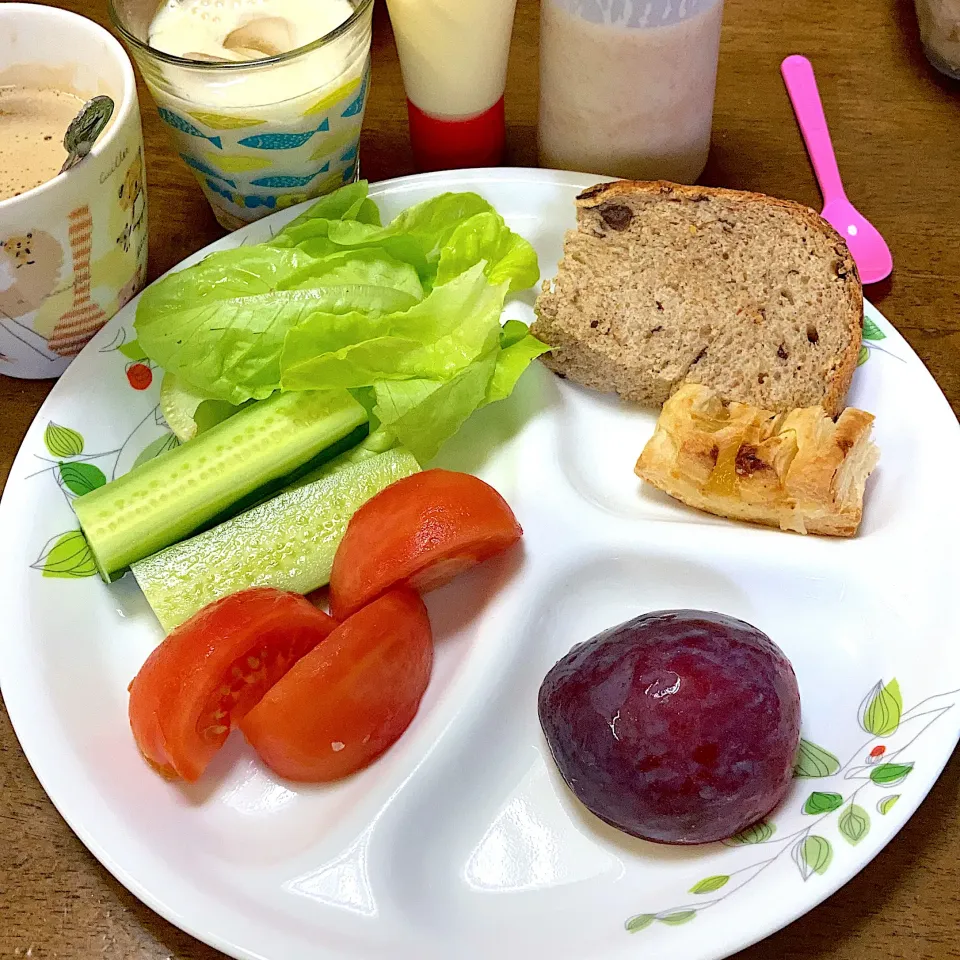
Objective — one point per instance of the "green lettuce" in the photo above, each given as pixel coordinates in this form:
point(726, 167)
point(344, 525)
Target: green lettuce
point(221, 325)
point(457, 323)
point(407, 315)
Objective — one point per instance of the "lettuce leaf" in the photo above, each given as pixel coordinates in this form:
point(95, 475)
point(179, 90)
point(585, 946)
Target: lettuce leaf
point(407, 315)
point(347, 203)
point(441, 237)
point(518, 348)
point(221, 324)
point(422, 414)
point(485, 236)
point(434, 339)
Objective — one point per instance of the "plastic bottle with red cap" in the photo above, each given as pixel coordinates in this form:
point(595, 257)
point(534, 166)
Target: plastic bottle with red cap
point(453, 54)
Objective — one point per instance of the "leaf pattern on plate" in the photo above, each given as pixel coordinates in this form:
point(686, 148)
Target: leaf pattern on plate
point(881, 715)
point(813, 761)
point(890, 774)
point(881, 709)
point(62, 442)
point(67, 555)
point(640, 922)
point(871, 331)
point(885, 805)
point(863, 356)
point(819, 802)
point(760, 832)
point(710, 884)
point(675, 919)
point(157, 447)
point(81, 478)
point(854, 824)
point(813, 854)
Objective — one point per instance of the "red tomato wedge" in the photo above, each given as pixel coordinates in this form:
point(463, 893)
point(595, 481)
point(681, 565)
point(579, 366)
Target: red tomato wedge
point(351, 698)
point(201, 681)
point(421, 532)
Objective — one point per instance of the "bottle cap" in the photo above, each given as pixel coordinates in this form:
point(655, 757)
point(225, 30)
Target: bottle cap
point(449, 143)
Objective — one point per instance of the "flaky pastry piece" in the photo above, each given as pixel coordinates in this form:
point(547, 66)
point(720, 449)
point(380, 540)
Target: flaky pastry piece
point(799, 471)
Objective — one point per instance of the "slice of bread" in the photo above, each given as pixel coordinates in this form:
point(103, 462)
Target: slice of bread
point(755, 297)
point(799, 471)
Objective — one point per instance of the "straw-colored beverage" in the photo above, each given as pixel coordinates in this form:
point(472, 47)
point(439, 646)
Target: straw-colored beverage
point(267, 112)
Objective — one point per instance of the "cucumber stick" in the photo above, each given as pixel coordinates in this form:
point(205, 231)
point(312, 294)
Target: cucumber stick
point(287, 542)
point(180, 492)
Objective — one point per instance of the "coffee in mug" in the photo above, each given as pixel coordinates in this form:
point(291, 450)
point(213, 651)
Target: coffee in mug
point(73, 245)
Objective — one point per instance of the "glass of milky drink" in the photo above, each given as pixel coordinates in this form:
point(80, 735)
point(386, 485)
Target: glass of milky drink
point(263, 99)
point(627, 86)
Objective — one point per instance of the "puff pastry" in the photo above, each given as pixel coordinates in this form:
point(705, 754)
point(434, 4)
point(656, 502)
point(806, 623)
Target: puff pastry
point(800, 471)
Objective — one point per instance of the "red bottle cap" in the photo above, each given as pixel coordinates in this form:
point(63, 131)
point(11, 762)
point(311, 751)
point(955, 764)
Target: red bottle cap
point(449, 143)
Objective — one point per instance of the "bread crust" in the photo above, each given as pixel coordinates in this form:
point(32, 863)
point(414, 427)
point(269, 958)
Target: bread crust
point(800, 471)
point(596, 371)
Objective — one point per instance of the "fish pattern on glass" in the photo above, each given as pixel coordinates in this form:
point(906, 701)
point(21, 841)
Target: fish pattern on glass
point(283, 141)
point(245, 172)
point(185, 126)
point(290, 181)
point(206, 168)
point(356, 107)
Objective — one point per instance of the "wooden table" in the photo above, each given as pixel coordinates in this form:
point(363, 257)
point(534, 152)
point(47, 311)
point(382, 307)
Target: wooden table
point(896, 126)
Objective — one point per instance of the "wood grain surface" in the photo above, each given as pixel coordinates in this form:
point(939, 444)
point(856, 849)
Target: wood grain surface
point(896, 127)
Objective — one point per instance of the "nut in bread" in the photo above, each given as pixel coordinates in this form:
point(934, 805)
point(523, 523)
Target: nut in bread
point(800, 471)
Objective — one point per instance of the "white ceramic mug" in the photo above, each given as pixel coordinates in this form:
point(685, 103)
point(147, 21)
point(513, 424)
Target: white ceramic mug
point(73, 251)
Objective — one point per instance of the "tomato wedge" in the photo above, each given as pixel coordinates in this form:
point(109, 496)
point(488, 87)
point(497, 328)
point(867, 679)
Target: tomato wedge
point(420, 531)
point(351, 698)
point(201, 681)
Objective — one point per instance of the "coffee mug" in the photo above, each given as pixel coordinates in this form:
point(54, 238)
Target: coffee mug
point(73, 250)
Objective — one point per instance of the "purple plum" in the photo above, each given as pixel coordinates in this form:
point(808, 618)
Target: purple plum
point(679, 726)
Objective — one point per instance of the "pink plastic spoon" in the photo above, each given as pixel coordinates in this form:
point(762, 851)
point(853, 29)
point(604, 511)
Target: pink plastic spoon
point(868, 248)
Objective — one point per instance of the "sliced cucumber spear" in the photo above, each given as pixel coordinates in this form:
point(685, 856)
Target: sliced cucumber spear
point(288, 542)
point(224, 470)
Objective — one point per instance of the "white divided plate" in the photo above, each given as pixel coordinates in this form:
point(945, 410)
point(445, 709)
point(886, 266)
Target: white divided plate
point(462, 842)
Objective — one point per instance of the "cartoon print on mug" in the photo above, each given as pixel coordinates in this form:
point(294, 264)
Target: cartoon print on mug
point(75, 327)
point(132, 203)
point(125, 254)
point(30, 265)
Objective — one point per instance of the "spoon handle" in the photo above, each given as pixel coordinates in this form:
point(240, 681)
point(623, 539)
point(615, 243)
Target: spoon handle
point(802, 87)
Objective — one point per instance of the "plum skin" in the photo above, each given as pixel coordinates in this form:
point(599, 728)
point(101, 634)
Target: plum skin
point(678, 726)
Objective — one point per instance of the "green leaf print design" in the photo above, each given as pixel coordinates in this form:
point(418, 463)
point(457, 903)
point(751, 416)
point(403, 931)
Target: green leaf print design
point(640, 922)
point(871, 331)
point(812, 855)
point(62, 442)
point(881, 709)
point(880, 714)
point(890, 774)
point(854, 824)
point(885, 805)
point(154, 449)
point(819, 802)
point(675, 919)
point(81, 478)
point(863, 356)
point(710, 884)
point(813, 761)
point(759, 832)
point(67, 556)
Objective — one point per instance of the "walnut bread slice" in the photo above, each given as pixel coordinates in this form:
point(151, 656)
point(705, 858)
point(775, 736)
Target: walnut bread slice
point(659, 284)
point(799, 471)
